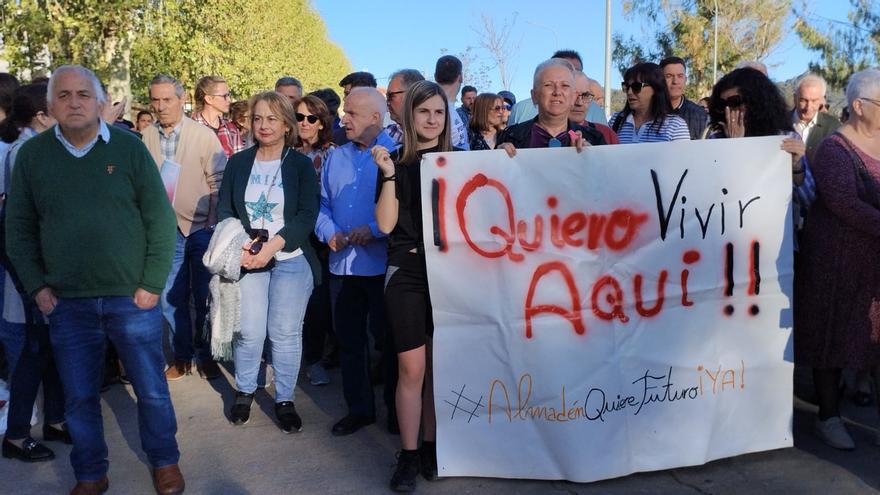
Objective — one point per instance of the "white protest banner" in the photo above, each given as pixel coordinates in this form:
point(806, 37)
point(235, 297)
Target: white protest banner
point(618, 310)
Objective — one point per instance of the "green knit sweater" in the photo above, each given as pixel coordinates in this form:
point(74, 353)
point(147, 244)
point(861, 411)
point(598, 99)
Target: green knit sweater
point(95, 226)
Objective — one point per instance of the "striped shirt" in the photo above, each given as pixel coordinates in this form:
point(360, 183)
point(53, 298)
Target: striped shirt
point(674, 128)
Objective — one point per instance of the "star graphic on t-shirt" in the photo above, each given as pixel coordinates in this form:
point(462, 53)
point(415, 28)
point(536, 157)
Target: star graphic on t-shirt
point(261, 208)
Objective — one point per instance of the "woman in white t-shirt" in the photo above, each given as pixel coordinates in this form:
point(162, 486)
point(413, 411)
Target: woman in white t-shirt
point(273, 190)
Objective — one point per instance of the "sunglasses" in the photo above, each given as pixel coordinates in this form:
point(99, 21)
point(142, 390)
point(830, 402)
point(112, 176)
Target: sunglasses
point(311, 118)
point(259, 237)
point(497, 108)
point(507, 106)
point(391, 94)
point(635, 86)
point(732, 102)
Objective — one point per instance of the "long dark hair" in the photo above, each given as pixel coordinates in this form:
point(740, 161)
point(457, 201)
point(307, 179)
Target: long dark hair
point(417, 94)
point(27, 102)
point(766, 111)
point(661, 106)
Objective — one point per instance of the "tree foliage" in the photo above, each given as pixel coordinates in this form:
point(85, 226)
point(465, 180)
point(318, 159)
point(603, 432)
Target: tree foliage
point(39, 35)
point(843, 48)
point(747, 30)
point(249, 42)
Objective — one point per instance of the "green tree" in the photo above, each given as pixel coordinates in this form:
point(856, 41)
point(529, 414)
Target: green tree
point(39, 35)
point(747, 30)
point(251, 43)
point(126, 42)
point(843, 48)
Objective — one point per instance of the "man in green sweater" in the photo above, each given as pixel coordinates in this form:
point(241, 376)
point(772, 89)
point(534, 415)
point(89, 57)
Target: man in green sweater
point(90, 232)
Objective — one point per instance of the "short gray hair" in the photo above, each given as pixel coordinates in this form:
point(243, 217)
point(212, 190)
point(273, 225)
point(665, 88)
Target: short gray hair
point(752, 64)
point(408, 77)
point(553, 62)
point(166, 79)
point(82, 71)
point(288, 81)
point(811, 79)
point(862, 84)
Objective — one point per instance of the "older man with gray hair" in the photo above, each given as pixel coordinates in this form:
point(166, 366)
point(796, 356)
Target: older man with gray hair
point(191, 161)
point(809, 120)
point(347, 223)
point(289, 87)
point(553, 91)
point(399, 82)
point(90, 233)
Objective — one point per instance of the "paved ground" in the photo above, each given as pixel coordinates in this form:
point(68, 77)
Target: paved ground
point(257, 458)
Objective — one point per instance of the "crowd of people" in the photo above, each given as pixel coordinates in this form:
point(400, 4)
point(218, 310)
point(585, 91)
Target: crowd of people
point(274, 234)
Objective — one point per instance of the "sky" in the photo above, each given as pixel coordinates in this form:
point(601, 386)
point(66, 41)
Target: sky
point(384, 36)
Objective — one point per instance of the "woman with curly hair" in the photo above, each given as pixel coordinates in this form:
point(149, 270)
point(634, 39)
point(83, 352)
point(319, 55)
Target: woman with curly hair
point(745, 103)
point(647, 116)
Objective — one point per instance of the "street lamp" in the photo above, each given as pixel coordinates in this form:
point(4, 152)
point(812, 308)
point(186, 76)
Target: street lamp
point(715, 47)
point(607, 59)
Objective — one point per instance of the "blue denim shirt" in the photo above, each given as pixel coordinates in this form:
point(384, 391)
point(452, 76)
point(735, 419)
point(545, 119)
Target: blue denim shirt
point(348, 200)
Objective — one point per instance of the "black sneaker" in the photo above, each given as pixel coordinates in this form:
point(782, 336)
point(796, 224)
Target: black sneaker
point(404, 477)
point(30, 451)
point(241, 408)
point(289, 420)
point(428, 455)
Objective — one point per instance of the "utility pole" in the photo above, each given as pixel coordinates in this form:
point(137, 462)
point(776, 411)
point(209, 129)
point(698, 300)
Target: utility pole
point(607, 59)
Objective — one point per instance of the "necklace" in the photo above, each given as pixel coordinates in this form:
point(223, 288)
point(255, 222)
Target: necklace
point(262, 235)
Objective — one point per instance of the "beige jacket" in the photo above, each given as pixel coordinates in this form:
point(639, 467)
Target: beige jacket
point(202, 161)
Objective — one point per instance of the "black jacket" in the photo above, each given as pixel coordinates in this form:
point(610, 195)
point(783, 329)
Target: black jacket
point(302, 197)
point(520, 134)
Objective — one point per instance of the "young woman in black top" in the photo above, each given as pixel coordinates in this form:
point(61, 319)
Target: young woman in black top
point(407, 301)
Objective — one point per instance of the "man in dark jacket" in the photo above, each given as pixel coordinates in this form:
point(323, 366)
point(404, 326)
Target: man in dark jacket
point(675, 72)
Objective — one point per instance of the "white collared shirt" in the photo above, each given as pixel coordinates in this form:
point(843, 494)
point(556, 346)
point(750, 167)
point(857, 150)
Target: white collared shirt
point(804, 128)
point(103, 134)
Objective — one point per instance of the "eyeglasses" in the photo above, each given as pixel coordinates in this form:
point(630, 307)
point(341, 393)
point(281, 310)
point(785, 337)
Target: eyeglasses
point(732, 102)
point(635, 86)
point(225, 96)
point(497, 108)
point(587, 96)
point(390, 94)
point(311, 118)
point(872, 100)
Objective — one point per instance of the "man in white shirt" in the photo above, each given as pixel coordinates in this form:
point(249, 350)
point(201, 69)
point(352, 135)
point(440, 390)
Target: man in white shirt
point(808, 118)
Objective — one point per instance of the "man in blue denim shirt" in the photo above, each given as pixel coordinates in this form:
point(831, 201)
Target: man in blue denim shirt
point(347, 223)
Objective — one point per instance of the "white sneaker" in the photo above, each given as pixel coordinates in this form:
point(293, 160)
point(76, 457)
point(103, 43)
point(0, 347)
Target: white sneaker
point(833, 432)
point(317, 375)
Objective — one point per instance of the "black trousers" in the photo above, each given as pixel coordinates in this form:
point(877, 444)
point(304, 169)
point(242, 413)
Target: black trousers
point(358, 305)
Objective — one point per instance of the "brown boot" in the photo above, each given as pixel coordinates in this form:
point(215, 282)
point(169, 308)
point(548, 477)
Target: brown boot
point(91, 487)
point(208, 369)
point(178, 370)
point(168, 480)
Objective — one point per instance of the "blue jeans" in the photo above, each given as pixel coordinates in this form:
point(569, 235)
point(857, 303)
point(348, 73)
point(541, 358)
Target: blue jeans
point(188, 280)
point(79, 328)
point(274, 303)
